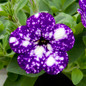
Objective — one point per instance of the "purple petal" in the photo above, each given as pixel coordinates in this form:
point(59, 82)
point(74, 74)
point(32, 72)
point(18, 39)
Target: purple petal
point(63, 37)
point(33, 23)
point(55, 62)
point(80, 11)
point(46, 22)
point(21, 40)
point(82, 4)
point(42, 21)
point(83, 17)
point(32, 62)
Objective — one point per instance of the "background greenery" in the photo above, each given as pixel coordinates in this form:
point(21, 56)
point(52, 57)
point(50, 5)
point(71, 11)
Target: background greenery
point(14, 13)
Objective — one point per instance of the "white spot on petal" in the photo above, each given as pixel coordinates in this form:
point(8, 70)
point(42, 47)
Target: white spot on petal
point(61, 58)
point(38, 64)
point(50, 61)
point(38, 32)
point(16, 43)
point(37, 58)
point(39, 51)
point(59, 34)
point(21, 34)
point(27, 66)
point(33, 22)
point(57, 58)
point(49, 47)
point(12, 39)
point(37, 15)
point(49, 19)
point(25, 43)
point(61, 67)
point(19, 27)
point(28, 60)
point(50, 35)
point(48, 53)
point(27, 37)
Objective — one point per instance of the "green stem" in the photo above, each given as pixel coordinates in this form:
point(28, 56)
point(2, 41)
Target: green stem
point(16, 20)
point(34, 6)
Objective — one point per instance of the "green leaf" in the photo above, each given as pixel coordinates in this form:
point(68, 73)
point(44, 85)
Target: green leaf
point(1, 36)
point(29, 81)
point(26, 8)
point(22, 17)
point(84, 72)
point(1, 26)
point(82, 61)
point(54, 9)
point(1, 65)
point(1, 53)
point(13, 2)
point(0, 46)
point(12, 76)
point(78, 28)
point(76, 76)
point(65, 19)
point(62, 4)
point(10, 54)
point(83, 82)
point(78, 18)
point(5, 41)
point(72, 8)
point(67, 6)
point(77, 50)
point(67, 3)
point(57, 3)
point(75, 17)
point(3, 7)
point(21, 81)
point(84, 40)
point(7, 8)
point(9, 82)
point(43, 6)
point(14, 68)
point(5, 60)
point(3, 13)
point(10, 26)
point(20, 5)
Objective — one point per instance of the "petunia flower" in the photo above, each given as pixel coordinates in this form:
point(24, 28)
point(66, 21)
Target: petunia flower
point(42, 44)
point(82, 11)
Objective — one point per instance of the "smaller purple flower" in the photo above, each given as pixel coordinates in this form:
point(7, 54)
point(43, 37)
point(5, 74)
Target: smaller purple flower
point(42, 44)
point(82, 11)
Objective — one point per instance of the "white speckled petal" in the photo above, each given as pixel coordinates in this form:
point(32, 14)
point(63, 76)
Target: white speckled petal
point(46, 21)
point(33, 23)
point(62, 38)
point(42, 22)
point(33, 61)
point(21, 40)
point(82, 4)
point(55, 62)
point(83, 17)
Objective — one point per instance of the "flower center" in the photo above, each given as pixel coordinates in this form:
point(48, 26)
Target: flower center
point(43, 41)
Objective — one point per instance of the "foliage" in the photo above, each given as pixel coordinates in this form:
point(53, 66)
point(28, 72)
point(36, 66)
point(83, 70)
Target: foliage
point(14, 13)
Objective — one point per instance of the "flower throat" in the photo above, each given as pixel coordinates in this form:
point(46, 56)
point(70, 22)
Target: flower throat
point(43, 41)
